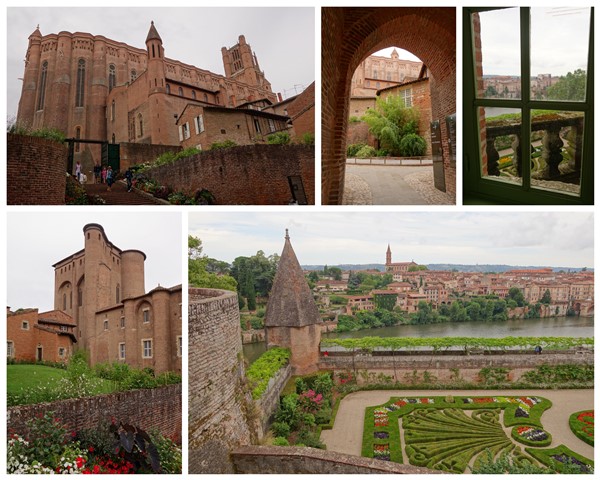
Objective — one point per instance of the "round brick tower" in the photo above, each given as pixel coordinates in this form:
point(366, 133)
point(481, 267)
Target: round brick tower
point(132, 273)
point(27, 103)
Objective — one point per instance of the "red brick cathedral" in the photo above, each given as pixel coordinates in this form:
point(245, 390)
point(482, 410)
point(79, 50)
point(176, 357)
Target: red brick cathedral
point(95, 88)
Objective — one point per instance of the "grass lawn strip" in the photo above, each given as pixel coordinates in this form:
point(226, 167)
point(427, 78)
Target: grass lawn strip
point(438, 434)
point(23, 377)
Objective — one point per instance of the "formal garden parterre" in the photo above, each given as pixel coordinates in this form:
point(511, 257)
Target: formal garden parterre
point(461, 433)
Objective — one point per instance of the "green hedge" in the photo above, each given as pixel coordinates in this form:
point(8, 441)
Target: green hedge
point(264, 368)
point(578, 426)
point(441, 343)
point(439, 435)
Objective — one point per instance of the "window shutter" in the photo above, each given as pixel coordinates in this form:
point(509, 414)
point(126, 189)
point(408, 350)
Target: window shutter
point(196, 125)
point(180, 133)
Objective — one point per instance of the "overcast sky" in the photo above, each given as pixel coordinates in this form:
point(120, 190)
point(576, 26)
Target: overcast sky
point(541, 239)
point(36, 241)
point(402, 54)
point(282, 38)
point(559, 39)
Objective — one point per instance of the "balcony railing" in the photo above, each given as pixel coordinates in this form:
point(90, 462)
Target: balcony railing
point(556, 130)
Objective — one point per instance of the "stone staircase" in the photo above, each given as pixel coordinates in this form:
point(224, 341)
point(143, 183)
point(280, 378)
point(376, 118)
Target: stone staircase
point(118, 194)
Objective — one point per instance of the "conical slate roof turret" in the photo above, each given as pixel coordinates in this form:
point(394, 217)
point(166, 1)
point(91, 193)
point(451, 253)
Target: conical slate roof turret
point(291, 303)
point(153, 33)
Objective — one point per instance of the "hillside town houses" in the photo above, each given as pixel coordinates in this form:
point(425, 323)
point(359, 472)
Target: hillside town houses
point(567, 289)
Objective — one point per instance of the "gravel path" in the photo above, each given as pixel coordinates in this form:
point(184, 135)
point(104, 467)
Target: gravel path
point(346, 435)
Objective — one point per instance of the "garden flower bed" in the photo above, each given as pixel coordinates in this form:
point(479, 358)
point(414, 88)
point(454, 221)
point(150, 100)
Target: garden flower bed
point(582, 425)
point(452, 433)
point(108, 449)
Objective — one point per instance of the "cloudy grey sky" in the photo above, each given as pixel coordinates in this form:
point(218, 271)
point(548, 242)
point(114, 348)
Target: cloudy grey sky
point(38, 240)
point(559, 39)
point(282, 38)
point(552, 239)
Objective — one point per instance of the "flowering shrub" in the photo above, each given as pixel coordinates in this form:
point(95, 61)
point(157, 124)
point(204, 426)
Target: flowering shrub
point(582, 425)
point(381, 452)
point(531, 436)
point(121, 449)
point(310, 401)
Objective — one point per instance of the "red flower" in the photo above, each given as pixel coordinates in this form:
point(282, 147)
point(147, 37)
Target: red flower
point(91, 449)
point(79, 461)
point(96, 469)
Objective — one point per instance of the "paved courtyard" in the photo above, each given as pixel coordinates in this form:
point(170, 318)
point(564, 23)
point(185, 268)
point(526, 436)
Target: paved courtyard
point(347, 432)
point(392, 185)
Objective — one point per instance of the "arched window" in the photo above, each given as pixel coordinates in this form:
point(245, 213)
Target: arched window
point(118, 293)
point(112, 110)
point(205, 97)
point(194, 94)
point(168, 88)
point(141, 122)
point(42, 89)
point(112, 77)
point(133, 75)
point(113, 138)
point(180, 92)
point(153, 53)
point(64, 301)
point(77, 136)
point(80, 83)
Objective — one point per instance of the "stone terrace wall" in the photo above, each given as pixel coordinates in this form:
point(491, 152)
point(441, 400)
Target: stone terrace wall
point(246, 175)
point(287, 460)
point(217, 400)
point(156, 408)
point(440, 365)
point(269, 401)
point(134, 153)
point(35, 171)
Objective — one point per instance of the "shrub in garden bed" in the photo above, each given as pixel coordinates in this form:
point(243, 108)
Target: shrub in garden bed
point(50, 448)
point(582, 425)
point(265, 368)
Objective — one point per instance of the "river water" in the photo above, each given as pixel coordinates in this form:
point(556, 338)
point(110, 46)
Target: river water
point(535, 327)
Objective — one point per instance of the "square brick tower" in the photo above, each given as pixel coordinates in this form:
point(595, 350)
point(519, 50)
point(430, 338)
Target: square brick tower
point(292, 317)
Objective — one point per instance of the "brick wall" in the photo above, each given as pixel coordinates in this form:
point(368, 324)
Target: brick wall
point(157, 408)
point(134, 153)
point(269, 401)
point(35, 171)
point(217, 399)
point(246, 175)
point(263, 460)
point(302, 111)
point(358, 132)
point(429, 33)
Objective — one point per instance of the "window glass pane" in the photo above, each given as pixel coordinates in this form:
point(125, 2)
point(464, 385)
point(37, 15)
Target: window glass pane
point(557, 142)
point(559, 53)
point(500, 132)
point(497, 53)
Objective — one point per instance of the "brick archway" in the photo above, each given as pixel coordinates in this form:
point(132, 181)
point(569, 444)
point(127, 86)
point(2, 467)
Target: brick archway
point(351, 34)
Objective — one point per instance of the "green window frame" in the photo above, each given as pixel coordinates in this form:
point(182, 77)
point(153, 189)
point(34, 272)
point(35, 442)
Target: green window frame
point(475, 184)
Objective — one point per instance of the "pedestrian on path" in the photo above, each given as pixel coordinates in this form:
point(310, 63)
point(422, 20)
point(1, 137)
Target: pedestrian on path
point(129, 178)
point(78, 171)
point(109, 177)
point(103, 174)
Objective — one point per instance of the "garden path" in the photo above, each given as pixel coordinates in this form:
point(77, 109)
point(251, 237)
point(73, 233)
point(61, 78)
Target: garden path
point(346, 435)
point(118, 194)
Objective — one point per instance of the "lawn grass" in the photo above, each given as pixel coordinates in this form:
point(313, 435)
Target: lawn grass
point(23, 378)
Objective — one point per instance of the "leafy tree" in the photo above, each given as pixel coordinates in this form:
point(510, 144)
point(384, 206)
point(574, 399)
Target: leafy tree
point(546, 298)
point(517, 295)
point(353, 281)
point(390, 121)
point(254, 276)
point(313, 276)
point(198, 274)
point(417, 268)
point(569, 87)
point(491, 91)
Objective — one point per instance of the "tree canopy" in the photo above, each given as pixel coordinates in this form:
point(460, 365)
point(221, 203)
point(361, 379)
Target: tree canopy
point(205, 272)
point(569, 87)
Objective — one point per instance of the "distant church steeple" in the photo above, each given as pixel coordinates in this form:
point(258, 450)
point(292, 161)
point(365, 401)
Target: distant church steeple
point(388, 255)
point(395, 55)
